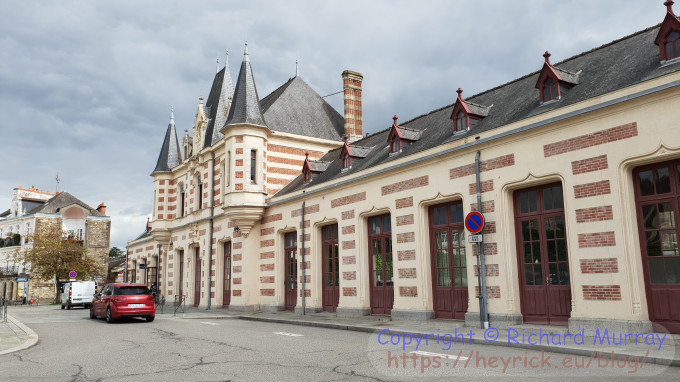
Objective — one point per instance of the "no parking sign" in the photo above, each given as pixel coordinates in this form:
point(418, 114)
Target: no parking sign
point(474, 222)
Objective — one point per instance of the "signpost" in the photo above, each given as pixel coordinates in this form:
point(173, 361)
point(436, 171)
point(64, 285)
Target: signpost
point(72, 275)
point(22, 279)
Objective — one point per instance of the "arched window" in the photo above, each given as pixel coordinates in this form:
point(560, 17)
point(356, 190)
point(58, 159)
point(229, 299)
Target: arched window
point(460, 122)
point(673, 45)
point(253, 164)
point(549, 90)
point(199, 191)
point(181, 200)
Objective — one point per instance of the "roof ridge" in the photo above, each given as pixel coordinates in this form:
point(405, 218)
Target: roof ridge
point(538, 71)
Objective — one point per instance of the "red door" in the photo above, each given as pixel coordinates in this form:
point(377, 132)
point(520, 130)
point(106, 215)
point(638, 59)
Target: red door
point(657, 195)
point(290, 278)
point(226, 284)
point(381, 273)
point(197, 278)
point(543, 259)
point(330, 291)
point(449, 261)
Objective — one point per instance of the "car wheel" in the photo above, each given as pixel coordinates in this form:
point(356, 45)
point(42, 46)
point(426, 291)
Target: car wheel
point(68, 305)
point(150, 319)
point(92, 316)
point(62, 306)
point(109, 316)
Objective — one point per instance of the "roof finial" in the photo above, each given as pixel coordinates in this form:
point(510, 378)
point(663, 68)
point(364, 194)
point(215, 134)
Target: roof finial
point(226, 60)
point(669, 6)
point(297, 71)
point(547, 57)
point(246, 51)
point(460, 92)
point(395, 119)
point(172, 114)
point(217, 65)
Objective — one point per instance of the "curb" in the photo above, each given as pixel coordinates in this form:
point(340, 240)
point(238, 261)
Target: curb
point(477, 341)
point(32, 337)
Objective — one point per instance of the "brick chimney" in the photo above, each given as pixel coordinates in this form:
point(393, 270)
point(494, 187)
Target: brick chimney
point(351, 85)
point(102, 208)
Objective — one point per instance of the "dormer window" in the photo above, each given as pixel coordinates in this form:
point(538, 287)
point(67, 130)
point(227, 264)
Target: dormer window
point(400, 136)
point(668, 38)
point(553, 82)
point(351, 152)
point(312, 168)
point(466, 114)
point(346, 162)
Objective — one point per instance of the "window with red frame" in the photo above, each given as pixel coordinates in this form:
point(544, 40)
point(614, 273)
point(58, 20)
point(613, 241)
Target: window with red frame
point(461, 124)
point(673, 45)
point(395, 146)
point(549, 90)
point(346, 162)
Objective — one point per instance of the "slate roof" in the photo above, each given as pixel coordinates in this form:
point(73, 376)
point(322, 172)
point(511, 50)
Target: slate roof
point(245, 106)
point(170, 155)
point(63, 199)
point(318, 166)
point(567, 76)
point(619, 64)
point(410, 134)
point(476, 109)
point(359, 151)
point(296, 108)
point(218, 99)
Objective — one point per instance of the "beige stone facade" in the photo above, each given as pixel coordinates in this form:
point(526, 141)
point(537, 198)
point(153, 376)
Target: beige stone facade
point(582, 161)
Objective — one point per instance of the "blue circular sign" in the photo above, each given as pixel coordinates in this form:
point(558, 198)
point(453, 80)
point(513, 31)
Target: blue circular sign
point(72, 274)
point(474, 222)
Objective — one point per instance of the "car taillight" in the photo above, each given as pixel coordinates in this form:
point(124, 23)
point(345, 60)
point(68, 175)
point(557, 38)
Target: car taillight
point(70, 291)
point(150, 298)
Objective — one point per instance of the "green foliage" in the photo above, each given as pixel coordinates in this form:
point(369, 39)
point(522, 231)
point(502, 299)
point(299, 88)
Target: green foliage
point(16, 238)
point(116, 252)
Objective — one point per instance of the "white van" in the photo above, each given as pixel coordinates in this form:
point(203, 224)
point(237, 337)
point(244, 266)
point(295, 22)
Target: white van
point(78, 293)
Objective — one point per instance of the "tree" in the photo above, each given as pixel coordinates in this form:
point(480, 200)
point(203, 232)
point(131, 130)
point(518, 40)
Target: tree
point(116, 252)
point(52, 257)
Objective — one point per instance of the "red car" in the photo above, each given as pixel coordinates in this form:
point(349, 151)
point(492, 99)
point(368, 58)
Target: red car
point(123, 300)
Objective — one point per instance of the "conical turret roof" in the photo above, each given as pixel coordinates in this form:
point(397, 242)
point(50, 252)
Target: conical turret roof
point(170, 155)
point(218, 102)
point(245, 107)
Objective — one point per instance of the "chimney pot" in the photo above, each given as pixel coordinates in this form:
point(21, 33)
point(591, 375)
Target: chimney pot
point(102, 208)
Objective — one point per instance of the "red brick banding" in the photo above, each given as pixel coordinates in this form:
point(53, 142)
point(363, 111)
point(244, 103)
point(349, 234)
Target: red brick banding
point(349, 275)
point(308, 210)
point(405, 220)
point(407, 273)
point(266, 231)
point(347, 230)
point(348, 215)
point(266, 267)
point(589, 140)
point(404, 202)
point(236, 293)
point(239, 150)
point(237, 257)
point(602, 292)
point(491, 270)
point(266, 292)
point(266, 243)
point(489, 227)
point(405, 185)
point(239, 162)
point(609, 265)
point(489, 249)
point(269, 219)
point(409, 291)
point(345, 200)
point(486, 186)
point(349, 291)
point(236, 269)
point(406, 237)
point(267, 255)
point(349, 260)
point(348, 244)
point(589, 165)
point(487, 206)
point(236, 281)
point(238, 245)
point(294, 151)
point(594, 214)
point(597, 239)
point(592, 189)
point(267, 279)
point(239, 174)
point(406, 255)
point(487, 165)
point(491, 291)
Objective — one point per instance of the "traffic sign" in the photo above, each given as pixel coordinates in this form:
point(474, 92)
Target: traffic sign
point(474, 222)
point(22, 279)
point(72, 274)
point(142, 266)
point(98, 278)
point(475, 238)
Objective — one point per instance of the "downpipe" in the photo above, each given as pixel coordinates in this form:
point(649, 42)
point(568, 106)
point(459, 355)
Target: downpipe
point(481, 261)
point(302, 248)
point(210, 236)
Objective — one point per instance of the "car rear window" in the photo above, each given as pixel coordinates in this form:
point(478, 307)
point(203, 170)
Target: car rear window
point(131, 290)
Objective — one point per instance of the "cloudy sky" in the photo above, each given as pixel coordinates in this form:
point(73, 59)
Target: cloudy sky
point(86, 86)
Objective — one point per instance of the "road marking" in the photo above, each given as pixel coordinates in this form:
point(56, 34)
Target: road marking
point(288, 334)
point(209, 323)
point(447, 356)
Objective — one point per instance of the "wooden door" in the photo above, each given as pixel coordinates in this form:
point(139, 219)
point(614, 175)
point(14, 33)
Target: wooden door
point(290, 277)
point(197, 278)
point(542, 255)
point(226, 282)
point(330, 291)
point(449, 260)
point(381, 270)
point(657, 196)
point(180, 287)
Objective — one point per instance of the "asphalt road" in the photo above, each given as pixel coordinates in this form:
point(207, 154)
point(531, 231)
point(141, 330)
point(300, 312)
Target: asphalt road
point(73, 347)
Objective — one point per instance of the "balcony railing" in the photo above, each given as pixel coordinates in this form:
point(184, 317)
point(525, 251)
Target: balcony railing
point(9, 270)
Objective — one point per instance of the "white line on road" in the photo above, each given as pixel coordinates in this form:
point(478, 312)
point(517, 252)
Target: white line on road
point(288, 334)
point(447, 356)
point(209, 323)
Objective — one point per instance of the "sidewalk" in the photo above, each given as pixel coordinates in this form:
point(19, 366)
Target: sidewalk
point(15, 336)
point(668, 354)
